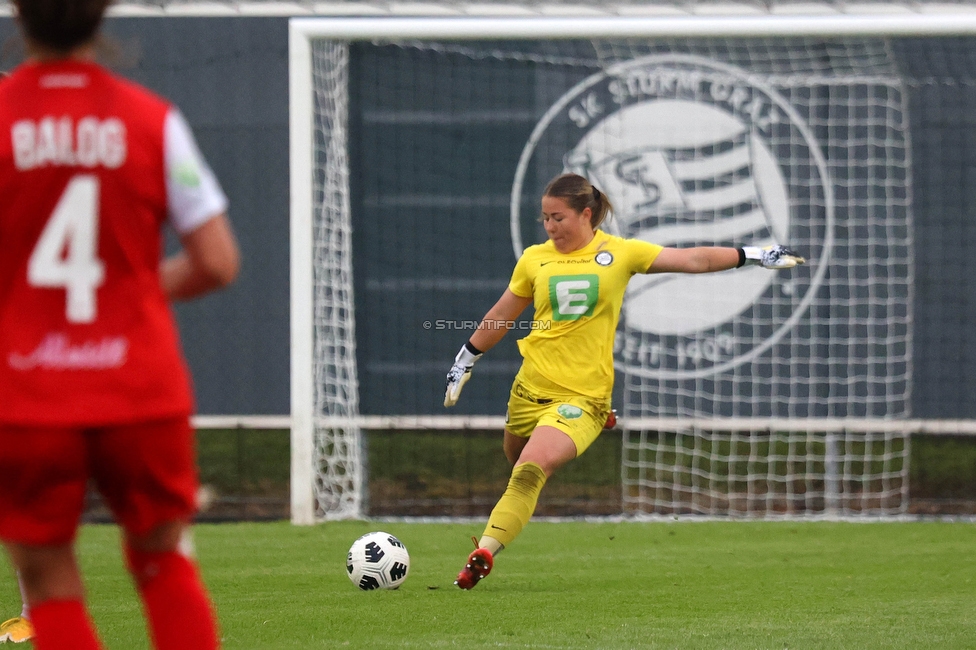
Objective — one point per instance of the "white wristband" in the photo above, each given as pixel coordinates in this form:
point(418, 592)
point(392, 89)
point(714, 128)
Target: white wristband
point(753, 254)
point(466, 356)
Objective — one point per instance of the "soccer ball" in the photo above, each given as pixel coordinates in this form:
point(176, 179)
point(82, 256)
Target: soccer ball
point(378, 561)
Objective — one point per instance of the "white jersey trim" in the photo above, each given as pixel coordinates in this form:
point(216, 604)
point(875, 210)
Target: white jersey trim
point(192, 191)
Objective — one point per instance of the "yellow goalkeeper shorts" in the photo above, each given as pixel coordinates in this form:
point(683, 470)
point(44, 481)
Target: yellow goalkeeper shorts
point(580, 418)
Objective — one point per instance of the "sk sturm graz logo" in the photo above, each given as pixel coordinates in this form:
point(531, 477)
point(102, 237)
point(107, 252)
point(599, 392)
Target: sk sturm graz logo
point(693, 152)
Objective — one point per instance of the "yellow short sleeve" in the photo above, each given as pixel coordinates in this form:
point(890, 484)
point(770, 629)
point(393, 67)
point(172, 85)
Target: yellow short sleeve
point(642, 254)
point(521, 283)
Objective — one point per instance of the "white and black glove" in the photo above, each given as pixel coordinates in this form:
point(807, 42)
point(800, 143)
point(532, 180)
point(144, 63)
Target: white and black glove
point(770, 257)
point(460, 373)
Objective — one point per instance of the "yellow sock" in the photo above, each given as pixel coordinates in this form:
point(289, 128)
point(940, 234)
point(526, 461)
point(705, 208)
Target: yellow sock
point(516, 506)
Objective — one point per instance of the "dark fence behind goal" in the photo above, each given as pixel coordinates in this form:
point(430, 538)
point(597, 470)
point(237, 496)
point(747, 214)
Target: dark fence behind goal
point(460, 473)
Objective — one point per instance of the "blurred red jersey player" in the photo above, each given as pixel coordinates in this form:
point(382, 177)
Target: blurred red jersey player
point(17, 629)
point(93, 380)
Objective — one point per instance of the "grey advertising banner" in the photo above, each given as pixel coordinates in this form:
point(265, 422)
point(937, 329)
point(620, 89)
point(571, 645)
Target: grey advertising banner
point(795, 141)
point(870, 145)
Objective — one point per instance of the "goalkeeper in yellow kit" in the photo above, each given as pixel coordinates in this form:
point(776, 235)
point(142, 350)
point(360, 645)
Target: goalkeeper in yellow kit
point(560, 399)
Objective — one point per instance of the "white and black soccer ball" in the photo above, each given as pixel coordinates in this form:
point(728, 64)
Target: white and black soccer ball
point(378, 561)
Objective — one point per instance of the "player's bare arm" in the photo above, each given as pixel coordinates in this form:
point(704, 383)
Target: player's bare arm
point(708, 259)
point(493, 327)
point(210, 260)
point(700, 259)
point(506, 310)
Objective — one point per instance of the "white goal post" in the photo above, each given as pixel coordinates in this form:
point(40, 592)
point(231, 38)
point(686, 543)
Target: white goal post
point(328, 471)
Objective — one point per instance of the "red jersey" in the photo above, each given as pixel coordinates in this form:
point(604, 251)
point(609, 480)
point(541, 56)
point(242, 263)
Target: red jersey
point(90, 170)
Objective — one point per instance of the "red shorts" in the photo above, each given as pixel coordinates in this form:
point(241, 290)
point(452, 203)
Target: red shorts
point(146, 472)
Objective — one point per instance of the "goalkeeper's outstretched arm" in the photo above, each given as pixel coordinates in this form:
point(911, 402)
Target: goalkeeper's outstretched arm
point(490, 331)
point(708, 259)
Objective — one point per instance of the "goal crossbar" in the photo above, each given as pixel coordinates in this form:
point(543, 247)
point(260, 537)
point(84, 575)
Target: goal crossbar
point(463, 28)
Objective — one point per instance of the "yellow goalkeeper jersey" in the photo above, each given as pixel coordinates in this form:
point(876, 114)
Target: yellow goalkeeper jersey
point(577, 298)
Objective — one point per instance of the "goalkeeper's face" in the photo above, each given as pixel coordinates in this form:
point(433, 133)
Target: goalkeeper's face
point(568, 229)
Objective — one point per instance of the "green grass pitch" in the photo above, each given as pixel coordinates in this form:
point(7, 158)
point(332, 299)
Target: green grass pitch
point(575, 585)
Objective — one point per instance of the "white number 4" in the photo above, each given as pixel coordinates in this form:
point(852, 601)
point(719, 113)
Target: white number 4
point(65, 255)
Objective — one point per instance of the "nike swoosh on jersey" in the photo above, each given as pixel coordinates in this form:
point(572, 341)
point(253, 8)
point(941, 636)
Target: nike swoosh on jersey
point(544, 263)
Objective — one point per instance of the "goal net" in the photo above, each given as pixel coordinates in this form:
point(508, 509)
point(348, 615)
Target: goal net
point(418, 157)
point(328, 473)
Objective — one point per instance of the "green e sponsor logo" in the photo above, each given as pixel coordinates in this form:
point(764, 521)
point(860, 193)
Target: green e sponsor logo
point(573, 296)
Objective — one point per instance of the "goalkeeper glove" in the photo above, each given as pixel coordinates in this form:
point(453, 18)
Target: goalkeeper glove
point(460, 372)
point(770, 257)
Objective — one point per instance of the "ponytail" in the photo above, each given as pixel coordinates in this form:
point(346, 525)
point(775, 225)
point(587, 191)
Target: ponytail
point(602, 208)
